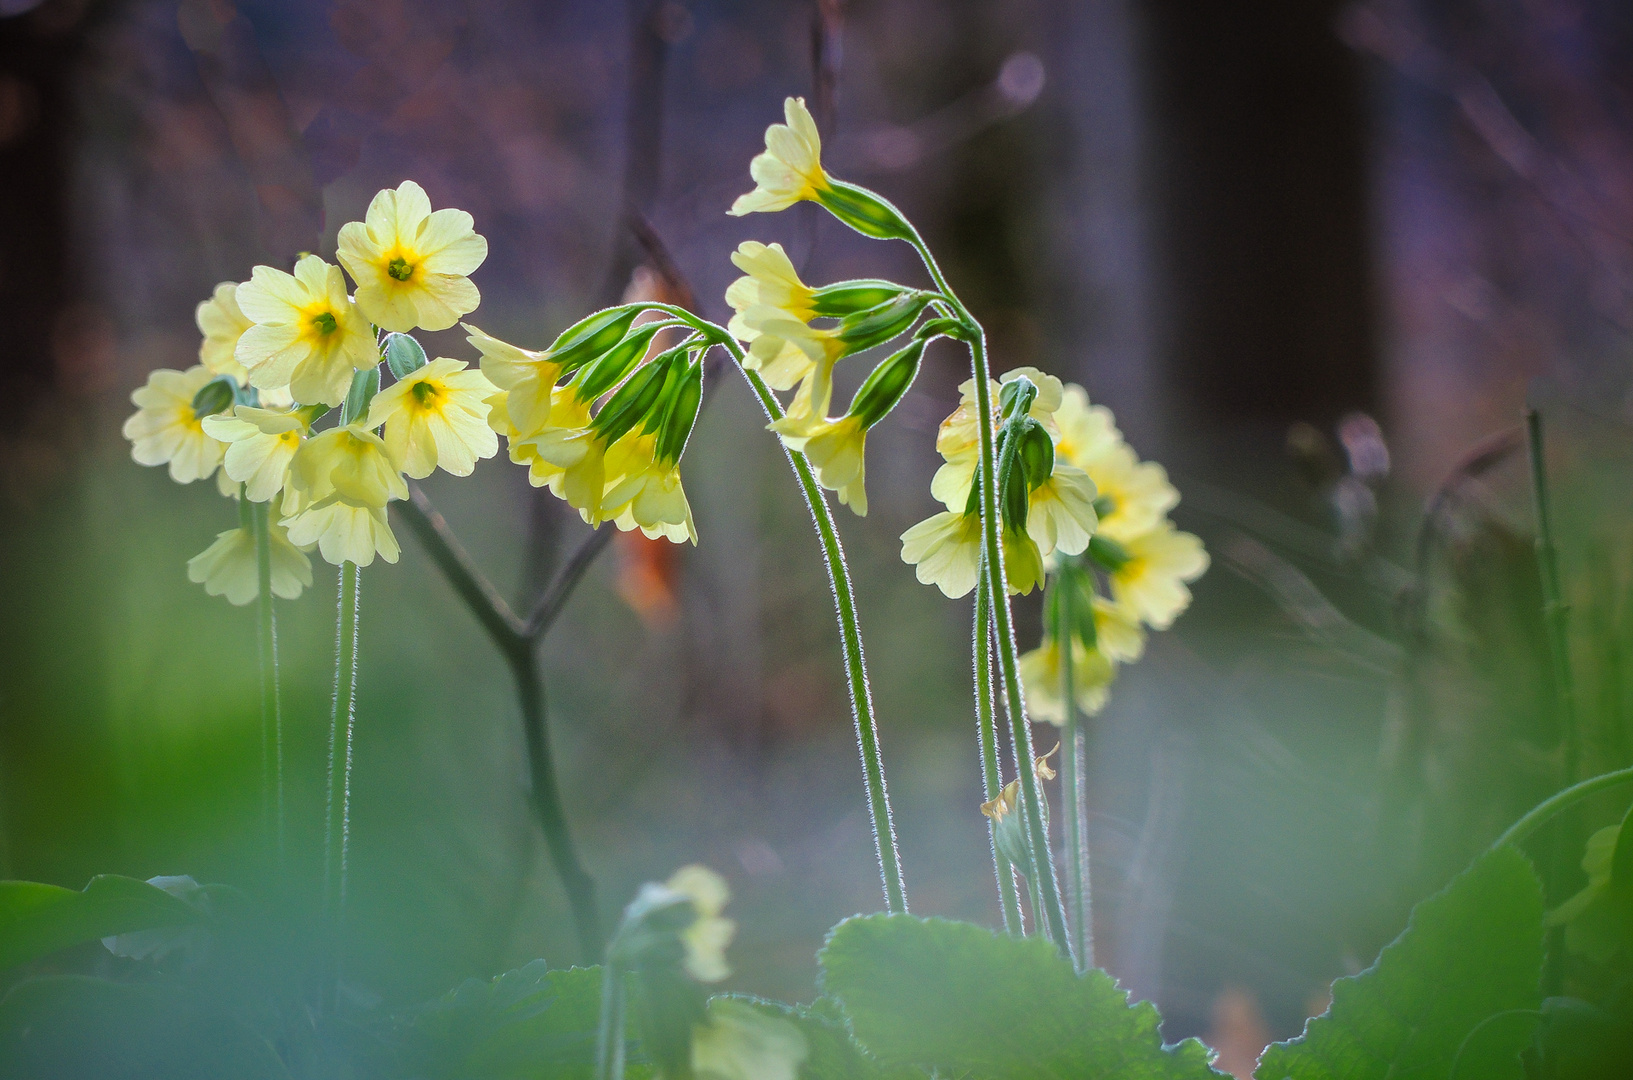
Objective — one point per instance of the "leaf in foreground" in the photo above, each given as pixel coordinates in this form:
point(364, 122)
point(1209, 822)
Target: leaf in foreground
point(960, 999)
point(37, 920)
point(1470, 954)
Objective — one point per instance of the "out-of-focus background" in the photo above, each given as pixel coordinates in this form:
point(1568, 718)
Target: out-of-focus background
point(1314, 255)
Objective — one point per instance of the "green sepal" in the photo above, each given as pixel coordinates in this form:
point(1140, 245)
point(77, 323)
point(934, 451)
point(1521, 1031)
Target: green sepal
point(403, 354)
point(365, 384)
point(1013, 489)
point(1016, 396)
point(862, 210)
point(1037, 453)
point(681, 413)
point(633, 400)
point(590, 337)
point(1107, 552)
point(952, 328)
point(218, 395)
point(880, 323)
point(605, 372)
point(886, 385)
point(844, 298)
point(1071, 575)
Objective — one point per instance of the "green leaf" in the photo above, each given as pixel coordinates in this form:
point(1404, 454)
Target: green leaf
point(834, 1055)
point(70, 1025)
point(37, 919)
point(1469, 953)
point(970, 1003)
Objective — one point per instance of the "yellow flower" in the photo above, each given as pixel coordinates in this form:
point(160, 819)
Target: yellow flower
point(1060, 511)
point(437, 416)
point(527, 378)
point(222, 323)
point(410, 263)
point(945, 551)
point(1133, 495)
point(307, 335)
point(958, 439)
point(348, 465)
point(345, 533)
point(1092, 673)
point(708, 934)
point(736, 1042)
point(836, 450)
point(643, 490)
point(166, 429)
point(1152, 570)
point(772, 291)
point(574, 460)
point(1087, 432)
point(260, 445)
point(229, 568)
point(1117, 631)
point(567, 412)
point(790, 169)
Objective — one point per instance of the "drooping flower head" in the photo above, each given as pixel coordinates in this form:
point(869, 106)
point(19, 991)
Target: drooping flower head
point(411, 263)
point(168, 428)
point(790, 168)
point(437, 417)
point(1117, 639)
point(945, 551)
point(308, 335)
point(229, 567)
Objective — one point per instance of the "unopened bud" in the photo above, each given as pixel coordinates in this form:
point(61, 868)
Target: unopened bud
point(849, 297)
point(404, 355)
point(862, 210)
point(216, 396)
point(887, 384)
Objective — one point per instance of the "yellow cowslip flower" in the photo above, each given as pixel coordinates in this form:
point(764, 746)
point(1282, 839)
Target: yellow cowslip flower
point(345, 533)
point(576, 458)
point(229, 567)
point(166, 429)
point(737, 1042)
point(708, 934)
point(222, 323)
point(1149, 572)
point(437, 416)
point(260, 445)
point(308, 335)
point(959, 438)
point(945, 551)
point(790, 169)
point(772, 290)
point(1133, 495)
point(1086, 432)
point(837, 452)
point(410, 263)
point(1060, 511)
point(527, 379)
point(348, 465)
point(643, 490)
point(1092, 674)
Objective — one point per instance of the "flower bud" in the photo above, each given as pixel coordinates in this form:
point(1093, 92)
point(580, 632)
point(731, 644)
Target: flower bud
point(1036, 452)
point(880, 323)
point(862, 210)
point(404, 356)
point(216, 396)
point(590, 337)
point(681, 412)
point(1016, 396)
point(886, 386)
point(631, 402)
point(365, 384)
point(849, 297)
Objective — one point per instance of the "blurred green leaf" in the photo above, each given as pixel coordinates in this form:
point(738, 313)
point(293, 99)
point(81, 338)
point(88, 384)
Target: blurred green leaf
point(38, 919)
point(74, 1026)
point(970, 1003)
point(834, 1055)
point(1469, 953)
point(1580, 1041)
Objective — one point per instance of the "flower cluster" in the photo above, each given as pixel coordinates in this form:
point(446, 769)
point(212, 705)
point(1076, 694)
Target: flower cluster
point(282, 350)
point(1144, 562)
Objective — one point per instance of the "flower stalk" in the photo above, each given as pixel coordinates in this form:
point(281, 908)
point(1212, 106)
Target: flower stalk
point(1072, 787)
point(991, 779)
point(340, 764)
point(272, 733)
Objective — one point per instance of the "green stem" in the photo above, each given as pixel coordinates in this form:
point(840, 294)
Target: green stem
point(1534, 819)
point(1556, 614)
point(1071, 785)
point(609, 1036)
point(272, 730)
point(991, 778)
point(867, 732)
point(340, 761)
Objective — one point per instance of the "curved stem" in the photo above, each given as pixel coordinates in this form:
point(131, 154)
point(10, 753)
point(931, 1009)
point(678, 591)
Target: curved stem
point(272, 729)
point(340, 764)
point(1538, 815)
point(991, 778)
point(867, 732)
point(1071, 786)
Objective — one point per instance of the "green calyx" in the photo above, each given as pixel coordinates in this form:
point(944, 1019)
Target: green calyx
point(1074, 577)
point(1107, 552)
point(679, 408)
point(1015, 397)
point(216, 396)
point(602, 373)
point(844, 298)
point(590, 337)
point(632, 402)
point(880, 323)
point(862, 210)
point(887, 385)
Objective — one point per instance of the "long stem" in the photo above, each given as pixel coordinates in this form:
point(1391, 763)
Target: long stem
point(1556, 614)
point(867, 732)
point(1538, 815)
point(272, 729)
point(991, 778)
point(609, 1036)
point(1054, 911)
point(340, 761)
point(1071, 785)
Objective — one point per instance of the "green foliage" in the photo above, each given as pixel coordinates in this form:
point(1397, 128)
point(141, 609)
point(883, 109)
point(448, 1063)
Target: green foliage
point(37, 920)
point(971, 1003)
point(1470, 952)
point(1579, 1041)
point(70, 1026)
point(834, 1055)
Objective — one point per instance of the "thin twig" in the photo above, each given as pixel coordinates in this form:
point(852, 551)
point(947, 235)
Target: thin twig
point(555, 597)
point(456, 565)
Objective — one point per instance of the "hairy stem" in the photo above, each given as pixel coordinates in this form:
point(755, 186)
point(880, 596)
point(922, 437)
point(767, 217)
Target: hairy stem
point(1538, 815)
point(340, 763)
point(272, 728)
point(991, 777)
point(1072, 788)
